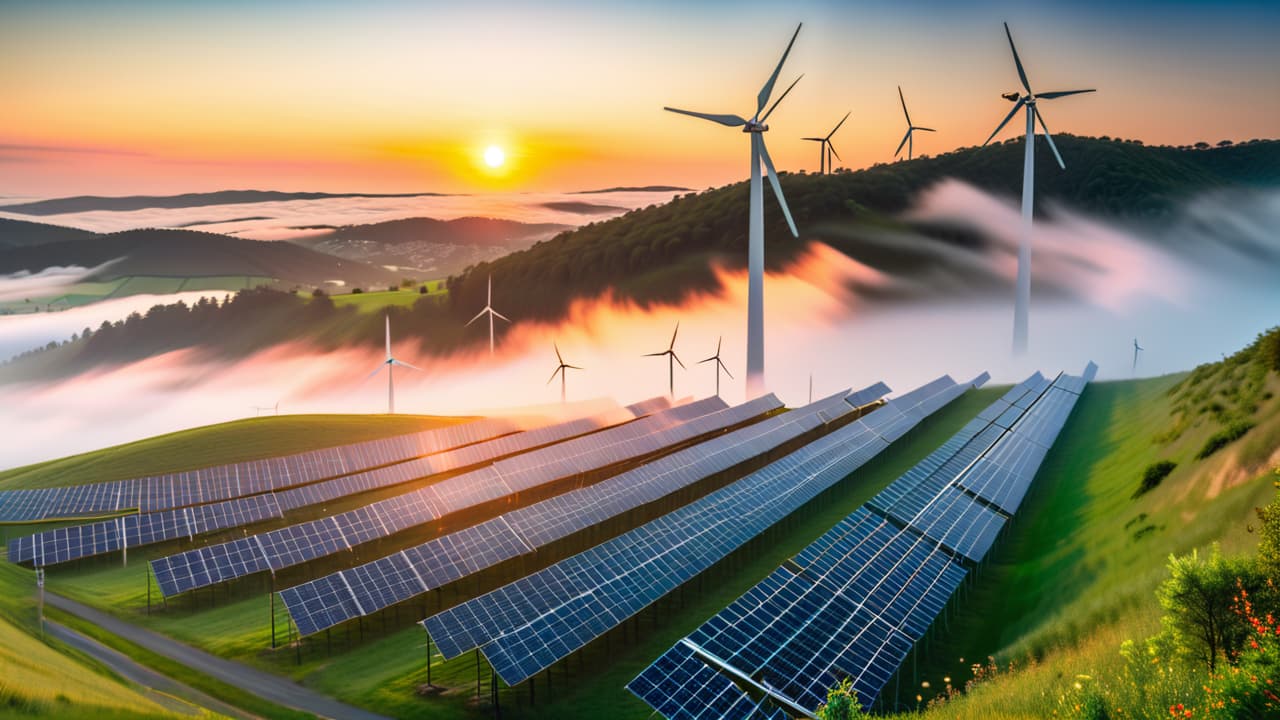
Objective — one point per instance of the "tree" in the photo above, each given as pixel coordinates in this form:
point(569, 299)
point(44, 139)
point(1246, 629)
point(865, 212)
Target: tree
point(842, 703)
point(1269, 544)
point(1198, 600)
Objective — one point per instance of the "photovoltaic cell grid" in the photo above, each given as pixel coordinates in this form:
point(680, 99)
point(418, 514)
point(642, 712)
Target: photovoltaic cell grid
point(854, 602)
point(297, 544)
point(459, 554)
point(224, 482)
point(65, 544)
point(528, 625)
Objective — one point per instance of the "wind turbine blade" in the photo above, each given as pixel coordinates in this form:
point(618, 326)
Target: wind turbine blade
point(832, 148)
point(478, 316)
point(574, 367)
point(730, 120)
point(673, 337)
point(924, 128)
point(375, 372)
point(677, 359)
point(1016, 107)
point(708, 360)
point(658, 354)
point(904, 106)
point(1062, 93)
point(558, 358)
point(815, 139)
point(1017, 61)
point(499, 315)
point(388, 319)
point(723, 367)
point(784, 94)
point(554, 373)
point(402, 363)
point(777, 187)
point(719, 341)
point(1049, 137)
point(763, 98)
point(837, 127)
point(903, 143)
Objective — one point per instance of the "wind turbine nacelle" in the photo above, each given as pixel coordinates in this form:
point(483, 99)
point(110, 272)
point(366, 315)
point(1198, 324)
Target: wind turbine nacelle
point(753, 126)
point(1011, 96)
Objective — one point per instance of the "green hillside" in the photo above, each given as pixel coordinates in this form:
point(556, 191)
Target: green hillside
point(20, 233)
point(229, 442)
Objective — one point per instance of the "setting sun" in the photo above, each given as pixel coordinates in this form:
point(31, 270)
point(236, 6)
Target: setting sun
point(494, 156)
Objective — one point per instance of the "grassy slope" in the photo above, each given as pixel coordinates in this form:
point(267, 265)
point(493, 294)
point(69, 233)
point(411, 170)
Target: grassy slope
point(229, 442)
point(44, 679)
point(406, 297)
point(1076, 574)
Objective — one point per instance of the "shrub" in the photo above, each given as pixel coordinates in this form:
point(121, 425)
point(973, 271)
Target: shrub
point(1224, 437)
point(1198, 600)
point(1154, 475)
point(357, 291)
point(842, 703)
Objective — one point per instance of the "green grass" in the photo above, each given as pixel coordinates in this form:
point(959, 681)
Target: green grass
point(371, 301)
point(235, 441)
point(41, 678)
point(85, 293)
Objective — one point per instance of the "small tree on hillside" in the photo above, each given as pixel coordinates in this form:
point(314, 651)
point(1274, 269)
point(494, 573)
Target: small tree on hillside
point(1198, 600)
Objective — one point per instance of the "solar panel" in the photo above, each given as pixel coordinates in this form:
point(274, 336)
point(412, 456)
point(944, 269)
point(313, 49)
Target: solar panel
point(854, 602)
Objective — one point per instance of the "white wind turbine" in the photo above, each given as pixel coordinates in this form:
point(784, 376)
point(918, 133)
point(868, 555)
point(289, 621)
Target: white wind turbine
point(672, 359)
point(719, 365)
point(389, 364)
point(825, 148)
point(561, 370)
point(1136, 349)
point(488, 309)
point(755, 128)
point(907, 139)
point(1022, 303)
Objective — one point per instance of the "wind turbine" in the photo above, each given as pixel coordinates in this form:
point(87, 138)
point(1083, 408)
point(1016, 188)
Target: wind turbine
point(906, 139)
point(1136, 349)
point(719, 365)
point(488, 308)
point(275, 409)
point(825, 149)
point(560, 369)
point(670, 352)
point(1022, 303)
point(755, 128)
point(390, 364)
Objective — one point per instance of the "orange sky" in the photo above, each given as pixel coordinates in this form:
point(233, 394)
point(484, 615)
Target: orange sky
point(112, 98)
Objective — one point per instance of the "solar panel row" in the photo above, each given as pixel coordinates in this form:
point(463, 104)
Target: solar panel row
point(73, 543)
point(855, 601)
point(528, 625)
point(457, 555)
point(296, 544)
point(214, 484)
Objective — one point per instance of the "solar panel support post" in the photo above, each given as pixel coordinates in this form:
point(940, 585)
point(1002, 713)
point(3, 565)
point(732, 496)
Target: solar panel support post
point(272, 594)
point(493, 690)
point(428, 661)
point(148, 590)
point(477, 674)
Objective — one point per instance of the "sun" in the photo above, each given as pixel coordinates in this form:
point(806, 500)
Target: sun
point(494, 157)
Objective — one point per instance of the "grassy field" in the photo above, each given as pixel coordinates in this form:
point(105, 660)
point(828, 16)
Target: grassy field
point(373, 301)
point(44, 679)
point(90, 292)
point(235, 441)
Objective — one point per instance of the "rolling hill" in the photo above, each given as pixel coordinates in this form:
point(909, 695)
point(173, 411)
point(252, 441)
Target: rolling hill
point(190, 253)
point(434, 248)
point(21, 233)
point(88, 203)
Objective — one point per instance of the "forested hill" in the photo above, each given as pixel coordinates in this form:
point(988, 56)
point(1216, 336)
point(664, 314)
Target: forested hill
point(662, 251)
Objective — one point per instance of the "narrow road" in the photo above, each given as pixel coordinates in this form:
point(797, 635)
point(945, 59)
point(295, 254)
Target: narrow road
point(165, 690)
point(273, 688)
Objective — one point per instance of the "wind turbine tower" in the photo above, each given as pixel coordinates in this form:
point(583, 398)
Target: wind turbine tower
point(755, 129)
point(719, 365)
point(390, 364)
point(1022, 302)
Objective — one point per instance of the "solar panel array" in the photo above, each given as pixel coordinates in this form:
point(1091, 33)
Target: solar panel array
point(107, 536)
point(223, 482)
point(321, 603)
point(856, 600)
point(528, 625)
point(296, 544)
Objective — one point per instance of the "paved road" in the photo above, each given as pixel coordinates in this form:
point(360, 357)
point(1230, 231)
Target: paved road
point(168, 692)
point(273, 688)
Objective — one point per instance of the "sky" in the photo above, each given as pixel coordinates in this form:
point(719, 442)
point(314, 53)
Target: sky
point(152, 97)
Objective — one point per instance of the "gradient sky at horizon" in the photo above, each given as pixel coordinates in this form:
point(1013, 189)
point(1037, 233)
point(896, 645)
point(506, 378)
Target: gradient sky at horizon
point(152, 97)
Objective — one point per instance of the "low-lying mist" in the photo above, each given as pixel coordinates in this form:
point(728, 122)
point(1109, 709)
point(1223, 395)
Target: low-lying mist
point(1199, 286)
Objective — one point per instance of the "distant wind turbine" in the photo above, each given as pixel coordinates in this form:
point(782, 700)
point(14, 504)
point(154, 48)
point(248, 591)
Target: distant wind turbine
point(561, 370)
point(670, 354)
point(907, 139)
point(1022, 303)
point(825, 148)
point(275, 409)
point(488, 309)
point(1136, 349)
point(390, 364)
point(719, 365)
point(756, 127)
